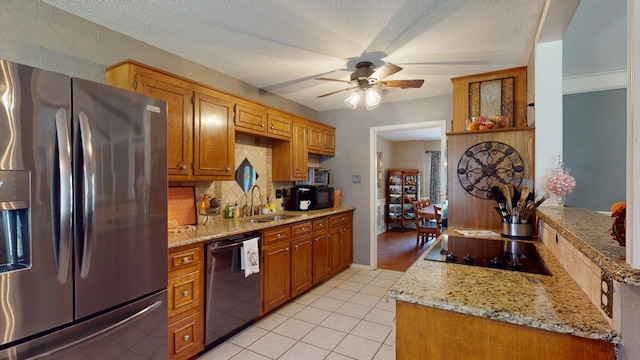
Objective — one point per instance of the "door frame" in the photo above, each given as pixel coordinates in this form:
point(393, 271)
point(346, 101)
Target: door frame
point(373, 146)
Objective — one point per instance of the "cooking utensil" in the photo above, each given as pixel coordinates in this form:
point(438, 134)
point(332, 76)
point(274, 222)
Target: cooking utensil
point(507, 195)
point(523, 198)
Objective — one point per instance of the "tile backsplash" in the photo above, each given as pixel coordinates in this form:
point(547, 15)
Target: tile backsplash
point(258, 152)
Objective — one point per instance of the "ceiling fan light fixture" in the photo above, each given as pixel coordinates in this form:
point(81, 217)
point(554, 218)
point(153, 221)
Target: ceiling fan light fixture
point(353, 99)
point(372, 99)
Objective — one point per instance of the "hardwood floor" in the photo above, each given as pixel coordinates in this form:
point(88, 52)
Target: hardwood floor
point(397, 250)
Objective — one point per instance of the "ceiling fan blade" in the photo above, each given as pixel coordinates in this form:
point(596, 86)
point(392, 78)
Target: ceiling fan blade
point(335, 92)
point(329, 79)
point(385, 70)
point(403, 83)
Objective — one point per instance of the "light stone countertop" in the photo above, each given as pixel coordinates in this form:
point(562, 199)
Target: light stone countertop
point(589, 232)
point(221, 228)
point(555, 303)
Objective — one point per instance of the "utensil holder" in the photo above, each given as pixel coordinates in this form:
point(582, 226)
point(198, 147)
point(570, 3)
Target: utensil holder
point(516, 231)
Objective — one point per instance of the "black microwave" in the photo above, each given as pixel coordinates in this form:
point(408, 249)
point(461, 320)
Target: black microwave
point(308, 197)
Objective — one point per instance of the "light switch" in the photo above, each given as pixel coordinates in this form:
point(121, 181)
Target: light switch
point(356, 179)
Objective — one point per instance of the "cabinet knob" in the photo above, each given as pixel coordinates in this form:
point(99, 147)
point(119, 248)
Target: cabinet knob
point(185, 259)
point(261, 124)
point(286, 250)
point(227, 169)
point(182, 165)
point(273, 127)
point(296, 247)
point(278, 235)
point(185, 294)
point(186, 337)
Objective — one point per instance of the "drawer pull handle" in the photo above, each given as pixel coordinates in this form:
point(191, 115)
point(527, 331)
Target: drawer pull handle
point(185, 294)
point(185, 260)
point(186, 337)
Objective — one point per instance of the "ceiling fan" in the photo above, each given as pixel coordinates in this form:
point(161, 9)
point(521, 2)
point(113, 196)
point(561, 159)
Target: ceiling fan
point(366, 77)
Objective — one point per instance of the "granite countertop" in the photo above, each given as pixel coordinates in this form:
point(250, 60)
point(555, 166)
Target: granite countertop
point(221, 228)
point(589, 232)
point(555, 303)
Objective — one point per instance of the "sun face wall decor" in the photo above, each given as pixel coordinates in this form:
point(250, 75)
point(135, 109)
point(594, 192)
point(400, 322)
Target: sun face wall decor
point(488, 164)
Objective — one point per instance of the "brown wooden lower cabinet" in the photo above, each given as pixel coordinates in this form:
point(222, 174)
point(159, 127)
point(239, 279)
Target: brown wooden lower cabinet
point(320, 248)
point(424, 332)
point(341, 242)
point(301, 258)
point(298, 256)
point(185, 302)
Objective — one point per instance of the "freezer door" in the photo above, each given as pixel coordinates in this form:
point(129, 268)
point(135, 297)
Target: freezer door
point(134, 331)
point(120, 187)
point(35, 183)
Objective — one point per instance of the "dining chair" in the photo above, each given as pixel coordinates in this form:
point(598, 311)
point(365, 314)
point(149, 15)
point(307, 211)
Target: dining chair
point(427, 226)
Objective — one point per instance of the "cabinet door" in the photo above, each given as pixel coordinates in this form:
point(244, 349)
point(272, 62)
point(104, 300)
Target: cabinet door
point(276, 276)
point(316, 138)
point(250, 118)
point(214, 137)
point(278, 125)
point(300, 157)
point(347, 245)
point(320, 257)
point(301, 265)
point(335, 251)
point(329, 140)
point(289, 159)
point(179, 121)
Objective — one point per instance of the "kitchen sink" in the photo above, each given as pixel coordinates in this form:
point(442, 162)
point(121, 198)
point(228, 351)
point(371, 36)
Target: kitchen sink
point(271, 218)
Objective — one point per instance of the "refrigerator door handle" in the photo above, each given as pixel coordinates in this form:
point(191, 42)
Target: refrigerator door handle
point(103, 332)
point(88, 203)
point(62, 196)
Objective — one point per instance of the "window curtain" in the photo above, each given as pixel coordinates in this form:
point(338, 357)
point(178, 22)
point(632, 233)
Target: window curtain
point(434, 179)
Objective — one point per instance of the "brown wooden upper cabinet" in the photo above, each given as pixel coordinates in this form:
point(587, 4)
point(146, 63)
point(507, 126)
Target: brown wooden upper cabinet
point(322, 139)
point(278, 124)
point(213, 129)
point(290, 158)
point(191, 134)
point(250, 118)
point(505, 90)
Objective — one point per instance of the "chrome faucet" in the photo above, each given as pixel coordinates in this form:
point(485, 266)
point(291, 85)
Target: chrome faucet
point(251, 210)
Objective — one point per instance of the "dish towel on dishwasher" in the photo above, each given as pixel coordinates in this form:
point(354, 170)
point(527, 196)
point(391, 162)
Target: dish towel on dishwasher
point(250, 257)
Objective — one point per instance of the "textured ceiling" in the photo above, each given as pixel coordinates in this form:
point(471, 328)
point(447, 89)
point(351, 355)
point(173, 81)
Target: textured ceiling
point(281, 46)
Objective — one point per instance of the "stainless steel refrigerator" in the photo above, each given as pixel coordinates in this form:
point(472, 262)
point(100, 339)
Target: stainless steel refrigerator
point(83, 216)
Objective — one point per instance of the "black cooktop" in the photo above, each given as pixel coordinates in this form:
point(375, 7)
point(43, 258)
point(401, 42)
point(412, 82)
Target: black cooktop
point(499, 254)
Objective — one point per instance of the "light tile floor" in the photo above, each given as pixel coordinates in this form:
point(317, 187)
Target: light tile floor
point(346, 317)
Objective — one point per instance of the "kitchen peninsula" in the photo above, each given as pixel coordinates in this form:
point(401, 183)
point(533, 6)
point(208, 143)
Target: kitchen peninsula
point(515, 315)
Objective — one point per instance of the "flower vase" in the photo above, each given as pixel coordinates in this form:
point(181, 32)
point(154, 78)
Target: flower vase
point(561, 183)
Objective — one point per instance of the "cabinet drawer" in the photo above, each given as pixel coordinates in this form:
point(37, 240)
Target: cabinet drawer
point(337, 220)
point(320, 224)
point(276, 234)
point(301, 228)
point(184, 259)
point(184, 293)
point(185, 337)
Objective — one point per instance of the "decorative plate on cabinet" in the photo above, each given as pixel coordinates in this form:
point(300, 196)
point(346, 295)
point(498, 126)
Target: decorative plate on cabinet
point(489, 164)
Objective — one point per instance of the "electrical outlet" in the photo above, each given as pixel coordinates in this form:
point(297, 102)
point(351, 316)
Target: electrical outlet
point(356, 179)
point(279, 194)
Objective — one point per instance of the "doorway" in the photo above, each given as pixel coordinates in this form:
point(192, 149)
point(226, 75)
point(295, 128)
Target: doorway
point(434, 128)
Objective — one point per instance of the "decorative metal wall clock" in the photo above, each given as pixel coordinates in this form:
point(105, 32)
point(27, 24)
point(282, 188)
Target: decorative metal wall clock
point(489, 164)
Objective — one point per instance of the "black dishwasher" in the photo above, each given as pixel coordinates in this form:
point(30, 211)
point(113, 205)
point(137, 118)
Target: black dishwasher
point(232, 299)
